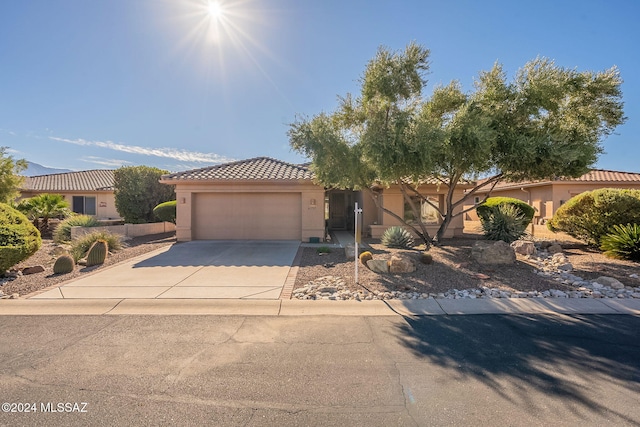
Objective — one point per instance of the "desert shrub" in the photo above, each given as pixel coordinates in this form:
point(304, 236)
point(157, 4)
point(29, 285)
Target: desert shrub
point(504, 222)
point(365, 256)
point(19, 238)
point(63, 231)
point(324, 250)
point(485, 209)
point(623, 242)
point(166, 211)
point(426, 257)
point(591, 215)
point(80, 246)
point(397, 237)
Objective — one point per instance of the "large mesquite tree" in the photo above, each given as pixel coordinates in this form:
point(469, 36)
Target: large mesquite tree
point(548, 121)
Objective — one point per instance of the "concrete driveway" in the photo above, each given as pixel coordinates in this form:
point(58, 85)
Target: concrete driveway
point(198, 269)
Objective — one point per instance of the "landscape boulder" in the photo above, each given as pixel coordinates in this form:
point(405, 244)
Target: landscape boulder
point(524, 247)
point(378, 265)
point(32, 270)
point(554, 249)
point(493, 253)
point(401, 264)
point(610, 281)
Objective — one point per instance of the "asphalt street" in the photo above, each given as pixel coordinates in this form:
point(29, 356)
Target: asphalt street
point(474, 370)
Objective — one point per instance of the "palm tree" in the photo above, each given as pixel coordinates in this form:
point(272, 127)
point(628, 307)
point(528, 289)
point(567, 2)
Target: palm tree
point(43, 207)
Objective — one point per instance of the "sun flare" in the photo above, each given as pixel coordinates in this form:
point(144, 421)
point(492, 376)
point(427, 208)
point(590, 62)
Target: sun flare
point(215, 10)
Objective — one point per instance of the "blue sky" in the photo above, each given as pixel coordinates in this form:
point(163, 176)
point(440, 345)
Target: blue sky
point(88, 84)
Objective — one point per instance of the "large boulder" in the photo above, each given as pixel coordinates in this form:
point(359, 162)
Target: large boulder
point(524, 247)
point(378, 265)
point(554, 249)
point(401, 264)
point(493, 253)
point(610, 281)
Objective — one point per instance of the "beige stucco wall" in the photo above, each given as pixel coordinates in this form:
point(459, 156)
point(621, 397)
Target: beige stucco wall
point(393, 200)
point(105, 201)
point(311, 202)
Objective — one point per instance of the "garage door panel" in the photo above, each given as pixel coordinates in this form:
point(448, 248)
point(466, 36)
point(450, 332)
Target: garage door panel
point(247, 216)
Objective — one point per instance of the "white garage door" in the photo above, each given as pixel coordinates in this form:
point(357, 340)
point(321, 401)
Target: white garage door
point(262, 216)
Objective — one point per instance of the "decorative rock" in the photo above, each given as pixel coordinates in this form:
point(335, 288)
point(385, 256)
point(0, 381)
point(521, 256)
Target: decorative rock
point(524, 247)
point(401, 264)
point(554, 248)
point(565, 267)
point(493, 253)
point(610, 282)
point(378, 265)
point(32, 270)
point(350, 252)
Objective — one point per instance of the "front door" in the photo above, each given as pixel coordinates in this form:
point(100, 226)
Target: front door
point(337, 211)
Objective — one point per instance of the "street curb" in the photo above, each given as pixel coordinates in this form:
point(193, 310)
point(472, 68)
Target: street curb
point(429, 307)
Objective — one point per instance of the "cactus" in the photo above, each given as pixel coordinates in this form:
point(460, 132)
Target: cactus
point(97, 253)
point(426, 258)
point(397, 237)
point(365, 256)
point(64, 264)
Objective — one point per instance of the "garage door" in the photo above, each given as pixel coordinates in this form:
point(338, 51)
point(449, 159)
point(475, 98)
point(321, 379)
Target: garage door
point(264, 216)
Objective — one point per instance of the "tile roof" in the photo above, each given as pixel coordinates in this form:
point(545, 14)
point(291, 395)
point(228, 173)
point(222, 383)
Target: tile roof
point(594, 175)
point(258, 168)
point(91, 180)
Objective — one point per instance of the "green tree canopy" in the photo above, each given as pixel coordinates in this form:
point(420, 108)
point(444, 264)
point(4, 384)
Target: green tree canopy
point(548, 121)
point(10, 180)
point(137, 192)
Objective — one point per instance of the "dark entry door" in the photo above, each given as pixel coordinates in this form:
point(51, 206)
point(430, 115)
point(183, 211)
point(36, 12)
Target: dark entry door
point(337, 211)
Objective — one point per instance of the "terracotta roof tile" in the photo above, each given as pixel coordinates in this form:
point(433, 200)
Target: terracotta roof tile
point(92, 180)
point(259, 169)
point(594, 175)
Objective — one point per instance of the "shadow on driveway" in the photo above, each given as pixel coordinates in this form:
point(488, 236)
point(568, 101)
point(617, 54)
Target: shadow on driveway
point(225, 253)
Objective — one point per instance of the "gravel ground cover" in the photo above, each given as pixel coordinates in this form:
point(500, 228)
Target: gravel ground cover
point(454, 269)
point(47, 254)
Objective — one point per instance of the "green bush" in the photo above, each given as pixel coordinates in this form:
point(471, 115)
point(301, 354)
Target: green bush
point(80, 246)
point(397, 237)
point(504, 222)
point(591, 215)
point(623, 242)
point(63, 231)
point(485, 209)
point(19, 239)
point(166, 211)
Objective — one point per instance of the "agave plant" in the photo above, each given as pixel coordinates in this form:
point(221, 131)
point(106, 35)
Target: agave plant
point(504, 222)
point(397, 237)
point(623, 242)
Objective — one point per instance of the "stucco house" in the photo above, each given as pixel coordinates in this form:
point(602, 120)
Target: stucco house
point(88, 192)
point(265, 198)
point(547, 196)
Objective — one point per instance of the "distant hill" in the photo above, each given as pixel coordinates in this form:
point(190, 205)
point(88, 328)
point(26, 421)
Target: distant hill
point(34, 169)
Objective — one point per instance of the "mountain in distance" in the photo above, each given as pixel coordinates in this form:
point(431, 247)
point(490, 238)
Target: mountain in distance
point(34, 169)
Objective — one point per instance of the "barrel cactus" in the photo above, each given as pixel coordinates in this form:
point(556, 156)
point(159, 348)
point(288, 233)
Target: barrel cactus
point(426, 258)
point(64, 264)
point(397, 237)
point(97, 253)
point(365, 256)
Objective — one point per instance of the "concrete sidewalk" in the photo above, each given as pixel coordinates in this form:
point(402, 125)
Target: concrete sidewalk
point(430, 307)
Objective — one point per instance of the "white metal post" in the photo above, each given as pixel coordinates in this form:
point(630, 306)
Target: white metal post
point(357, 237)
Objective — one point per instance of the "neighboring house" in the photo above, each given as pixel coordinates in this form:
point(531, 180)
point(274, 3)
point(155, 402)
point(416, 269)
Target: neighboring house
point(264, 198)
point(88, 192)
point(547, 196)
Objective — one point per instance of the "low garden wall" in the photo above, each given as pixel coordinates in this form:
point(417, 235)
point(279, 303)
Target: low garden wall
point(128, 230)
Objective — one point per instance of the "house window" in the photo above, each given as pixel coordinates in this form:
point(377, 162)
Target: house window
point(84, 205)
point(476, 200)
point(428, 213)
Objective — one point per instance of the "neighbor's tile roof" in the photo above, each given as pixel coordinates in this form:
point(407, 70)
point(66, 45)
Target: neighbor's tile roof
point(92, 180)
point(594, 175)
point(259, 168)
